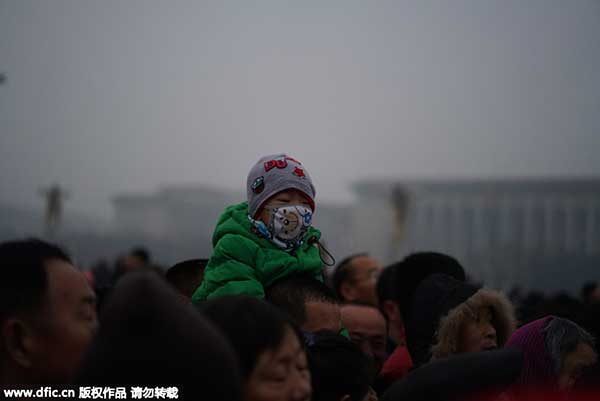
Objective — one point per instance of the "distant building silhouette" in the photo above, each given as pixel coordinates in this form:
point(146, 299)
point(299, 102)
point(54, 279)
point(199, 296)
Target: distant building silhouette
point(186, 218)
point(535, 233)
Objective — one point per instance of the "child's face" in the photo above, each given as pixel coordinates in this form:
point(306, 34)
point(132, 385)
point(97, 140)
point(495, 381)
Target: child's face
point(283, 198)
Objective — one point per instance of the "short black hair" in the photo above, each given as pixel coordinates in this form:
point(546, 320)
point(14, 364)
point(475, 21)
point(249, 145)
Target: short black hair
point(413, 269)
point(385, 287)
point(338, 367)
point(343, 271)
point(23, 276)
point(251, 325)
point(186, 267)
point(185, 275)
point(293, 292)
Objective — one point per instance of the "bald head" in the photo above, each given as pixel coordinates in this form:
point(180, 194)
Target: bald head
point(355, 278)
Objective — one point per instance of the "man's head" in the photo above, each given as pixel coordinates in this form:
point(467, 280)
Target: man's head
point(398, 282)
point(339, 370)
point(186, 276)
point(355, 277)
point(47, 314)
point(310, 303)
point(367, 328)
point(138, 257)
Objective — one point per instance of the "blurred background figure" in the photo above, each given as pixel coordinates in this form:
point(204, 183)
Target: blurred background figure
point(590, 293)
point(148, 338)
point(137, 259)
point(355, 277)
point(186, 276)
point(54, 197)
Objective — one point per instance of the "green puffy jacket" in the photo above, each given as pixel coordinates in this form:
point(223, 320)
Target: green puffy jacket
point(243, 262)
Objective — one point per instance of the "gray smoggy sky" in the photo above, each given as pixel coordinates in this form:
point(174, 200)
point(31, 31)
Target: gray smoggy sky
point(123, 96)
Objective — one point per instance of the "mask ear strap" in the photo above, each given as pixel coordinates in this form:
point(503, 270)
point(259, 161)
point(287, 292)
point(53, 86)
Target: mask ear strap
point(261, 227)
point(328, 260)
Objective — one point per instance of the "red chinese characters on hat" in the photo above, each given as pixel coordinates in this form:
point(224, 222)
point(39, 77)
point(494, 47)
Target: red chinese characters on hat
point(299, 172)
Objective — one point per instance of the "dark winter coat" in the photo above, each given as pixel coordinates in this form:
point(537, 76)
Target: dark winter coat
point(482, 375)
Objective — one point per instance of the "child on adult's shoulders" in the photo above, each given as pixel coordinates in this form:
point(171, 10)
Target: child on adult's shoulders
point(268, 237)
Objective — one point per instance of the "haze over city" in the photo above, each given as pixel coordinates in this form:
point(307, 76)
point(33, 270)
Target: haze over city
point(109, 97)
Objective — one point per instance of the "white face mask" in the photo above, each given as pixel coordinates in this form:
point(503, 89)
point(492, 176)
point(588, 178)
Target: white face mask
point(287, 225)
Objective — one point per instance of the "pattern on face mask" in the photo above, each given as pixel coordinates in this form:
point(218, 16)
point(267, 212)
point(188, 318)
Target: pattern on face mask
point(287, 225)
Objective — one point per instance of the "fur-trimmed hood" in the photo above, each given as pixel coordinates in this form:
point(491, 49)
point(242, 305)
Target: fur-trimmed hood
point(449, 329)
point(438, 309)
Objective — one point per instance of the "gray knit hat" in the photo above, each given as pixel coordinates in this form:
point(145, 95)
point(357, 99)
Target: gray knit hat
point(273, 174)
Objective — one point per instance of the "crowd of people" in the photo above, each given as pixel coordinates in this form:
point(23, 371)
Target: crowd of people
point(260, 320)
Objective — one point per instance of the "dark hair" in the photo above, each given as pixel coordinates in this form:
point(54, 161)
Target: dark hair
point(142, 253)
point(23, 277)
point(587, 290)
point(148, 338)
point(385, 287)
point(292, 293)
point(561, 336)
point(186, 267)
point(338, 367)
point(251, 325)
point(186, 275)
point(343, 272)
point(415, 268)
point(361, 304)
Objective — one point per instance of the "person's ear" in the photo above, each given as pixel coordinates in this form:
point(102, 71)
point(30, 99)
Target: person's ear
point(347, 291)
point(391, 310)
point(18, 341)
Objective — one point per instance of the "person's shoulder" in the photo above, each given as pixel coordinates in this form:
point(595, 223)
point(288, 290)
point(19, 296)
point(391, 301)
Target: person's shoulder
point(233, 220)
point(235, 241)
point(236, 210)
point(234, 247)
